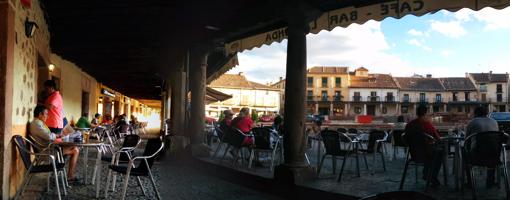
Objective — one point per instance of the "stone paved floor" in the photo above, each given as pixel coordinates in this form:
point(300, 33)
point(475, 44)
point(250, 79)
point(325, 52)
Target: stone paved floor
point(372, 182)
point(174, 180)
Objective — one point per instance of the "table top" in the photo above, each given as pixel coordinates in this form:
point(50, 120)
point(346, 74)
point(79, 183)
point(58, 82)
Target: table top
point(81, 129)
point(80, 144)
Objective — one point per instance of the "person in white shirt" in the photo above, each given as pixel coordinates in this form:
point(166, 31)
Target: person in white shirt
point(43, 135)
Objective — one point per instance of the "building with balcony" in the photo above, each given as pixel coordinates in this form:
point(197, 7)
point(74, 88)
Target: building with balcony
point(257, 97)
point(280, 85)
point(326, 89)
point(493, 89)
point(372, 94)
point(414, 91)
point(460, 95)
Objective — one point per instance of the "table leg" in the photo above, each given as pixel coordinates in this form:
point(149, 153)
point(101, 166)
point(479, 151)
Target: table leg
point(85, 156)
point(318, 152)
point(445, 163)
point(98, 166)
point(458, 168)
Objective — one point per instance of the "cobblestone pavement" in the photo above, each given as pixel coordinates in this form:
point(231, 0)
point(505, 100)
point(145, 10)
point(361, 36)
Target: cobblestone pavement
point(174, 181)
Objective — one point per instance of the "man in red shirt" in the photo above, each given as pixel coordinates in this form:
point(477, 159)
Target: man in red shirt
point(244, 123)
point(414, 131)
point(55, 106)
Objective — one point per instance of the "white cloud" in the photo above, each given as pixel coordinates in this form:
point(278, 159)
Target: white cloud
point(446, 53)
point(494, 19)
point(417, 43)
point(451, 29)
point(415, 32)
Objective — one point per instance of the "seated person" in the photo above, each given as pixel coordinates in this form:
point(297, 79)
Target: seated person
point(226, 122)
point(244, 123)
point(400, 125)
point(422, 125)
point(482, 123)
point(107, 119)
point(95, 122)
point(121, 125)
point(83, 122)
point(277, 122)
point(43, 135)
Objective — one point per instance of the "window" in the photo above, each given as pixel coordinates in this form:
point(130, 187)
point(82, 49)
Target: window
point(406, 98)
point(324, 95)
point(405, 109)
point(309, 95)
point(309, 81)
point(338, 82)
point(483, 87)
point(338, 96)
point(454, 96)
point(468, 109)
point(499, 97)
point(357, 110)
point(499, 88)
point(466, 96)
point(435, 108)
point(373, 96)
point(438, 98)
point(324, 82)
point(422, 97)
point(389, 96)
point(484, 97)
point(357, 96)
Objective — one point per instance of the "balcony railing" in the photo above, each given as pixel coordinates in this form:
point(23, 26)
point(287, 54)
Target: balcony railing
point(373, 98)
point(357, 98)
point(391, 98)
point(422, 100)
point(324, 98)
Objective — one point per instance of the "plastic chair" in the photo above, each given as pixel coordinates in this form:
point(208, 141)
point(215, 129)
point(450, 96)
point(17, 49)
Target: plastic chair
point(416, 155)
point(397, 142)
point(152, 148)
point(332, 143)
point(33, 167)
point(263, 143)
point(399, 195)
point(484, 150)
point(375, 145)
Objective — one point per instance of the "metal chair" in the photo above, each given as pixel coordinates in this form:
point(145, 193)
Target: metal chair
point(235, 138)
point(332, 143)
point(143, 168)
point(376, 145)
point(397, 142)
point(219, 134)
point(341, 130)
point(484, 150)
point(398, 195)
point(121, 154)
point(417, 143)
point(35, 166)
point(352, 131)
point(263, 143)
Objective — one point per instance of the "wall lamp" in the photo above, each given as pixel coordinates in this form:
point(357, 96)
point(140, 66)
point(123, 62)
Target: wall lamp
point(30, 28)
point(51, 67)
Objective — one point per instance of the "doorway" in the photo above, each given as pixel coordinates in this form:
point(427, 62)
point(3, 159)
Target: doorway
point(371, 110)
point(85, 103)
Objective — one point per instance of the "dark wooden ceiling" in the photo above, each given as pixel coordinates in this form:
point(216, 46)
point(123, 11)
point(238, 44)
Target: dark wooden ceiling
point(131, 45)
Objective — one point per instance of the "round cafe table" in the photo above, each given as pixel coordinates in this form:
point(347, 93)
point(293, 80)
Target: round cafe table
point(97, 168)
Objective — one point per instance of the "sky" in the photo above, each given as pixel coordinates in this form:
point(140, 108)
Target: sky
point(443, 44)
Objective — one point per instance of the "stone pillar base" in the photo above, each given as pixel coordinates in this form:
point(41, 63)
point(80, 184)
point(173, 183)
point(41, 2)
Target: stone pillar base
point(294, 174)
point(200, 150)
point(179, 143)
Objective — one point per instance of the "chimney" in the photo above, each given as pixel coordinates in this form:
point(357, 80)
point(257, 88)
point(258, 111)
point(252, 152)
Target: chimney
point(241, 73)
point(490, 72)
point(281, 78)
point(429, 75)
point(467, 75)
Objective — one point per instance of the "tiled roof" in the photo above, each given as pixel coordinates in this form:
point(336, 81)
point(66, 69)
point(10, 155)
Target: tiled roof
point(362, 69)
point(328, 70)
point(238, 81)
point(459, 83)
point(489, 77)
point(373, 81)
point(420, 84)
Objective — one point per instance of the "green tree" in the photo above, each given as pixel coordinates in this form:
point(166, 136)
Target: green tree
point(221, 117)
point(254, 116)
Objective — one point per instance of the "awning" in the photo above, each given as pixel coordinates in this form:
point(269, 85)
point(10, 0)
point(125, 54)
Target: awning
point(212, 95)
point(226, 63)
point(346, 16)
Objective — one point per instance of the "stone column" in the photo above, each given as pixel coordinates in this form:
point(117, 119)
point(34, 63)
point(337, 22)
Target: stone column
point(178, 108)
point(364, 109)
point(295, 169)
point(331, 109)
point(380, 110)
point(346, 109)
point(398, 109)
point(7, 37)
point(316, 112)
point(445, 108)
point(196, 126)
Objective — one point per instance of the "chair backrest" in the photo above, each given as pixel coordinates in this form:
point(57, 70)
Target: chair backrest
point(420, 145)
point(396, 138)
point(373, 136)
point(219, 132)
point(152, 148)
point(332, 140)
point(399, 195)
point(262, 137)
point(234, 137)
point(352, 130)
point(341, 130)
point(23, 149)
point(484, 149)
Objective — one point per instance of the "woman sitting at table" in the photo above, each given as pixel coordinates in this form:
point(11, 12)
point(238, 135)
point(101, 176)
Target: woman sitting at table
point(244, 123)
point(42, 134)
